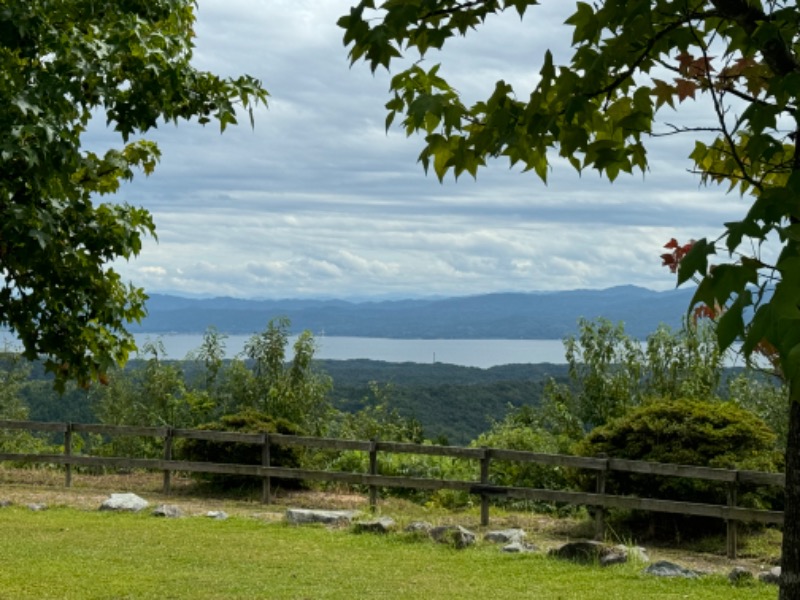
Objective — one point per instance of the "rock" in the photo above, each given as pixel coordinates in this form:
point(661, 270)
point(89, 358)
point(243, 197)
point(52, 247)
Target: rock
point(302, 516)
point(519, 547)
point(379, 525)
point(167, 510)
point(772, 576)
point(219, 515)
point(617, 555)
point(453, 534)
point(36, 507)
point(128, 502)
point(6, 503)
point(740, 575)
point(418, 527)
point(586, 551)
point(664, 568)
point(505, 536)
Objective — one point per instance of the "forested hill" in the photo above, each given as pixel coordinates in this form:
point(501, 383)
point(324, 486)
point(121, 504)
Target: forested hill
point(541, 315)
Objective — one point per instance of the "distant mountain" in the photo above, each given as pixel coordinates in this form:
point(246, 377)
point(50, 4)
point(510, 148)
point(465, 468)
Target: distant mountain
point(543, 315)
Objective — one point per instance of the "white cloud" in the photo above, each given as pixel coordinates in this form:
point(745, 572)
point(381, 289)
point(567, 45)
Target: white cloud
point(319, 200)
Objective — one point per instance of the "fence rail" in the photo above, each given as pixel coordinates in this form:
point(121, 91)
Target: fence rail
point(602, 467)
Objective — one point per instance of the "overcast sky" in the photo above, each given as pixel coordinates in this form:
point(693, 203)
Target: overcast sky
point(319, 200)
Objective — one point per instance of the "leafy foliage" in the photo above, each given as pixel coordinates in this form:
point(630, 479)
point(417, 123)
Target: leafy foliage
point(293, 390)
point(247, 421)
point(66, 65)
point(521, 430)
point(630, 62)
point(688, 432)
point(611, 374)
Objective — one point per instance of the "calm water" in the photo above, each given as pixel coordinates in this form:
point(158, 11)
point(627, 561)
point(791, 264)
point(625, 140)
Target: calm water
point(469, 353)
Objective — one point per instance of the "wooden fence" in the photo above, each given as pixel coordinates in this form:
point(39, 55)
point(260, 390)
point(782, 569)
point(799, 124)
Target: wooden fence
point(483, 488)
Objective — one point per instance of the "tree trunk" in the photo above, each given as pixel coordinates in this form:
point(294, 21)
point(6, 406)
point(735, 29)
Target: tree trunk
point(790, 561)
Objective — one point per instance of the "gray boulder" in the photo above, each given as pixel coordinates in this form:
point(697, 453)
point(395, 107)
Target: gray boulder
point(419, 527)
point(519, 547)
point(36, 506)
point(169, 511)
point(772, 576)
point(219, 515)
point(585, 551)
point(739, 575)
point(303, 516)
point(5, 503)
point(664, 568)
point(125, 502)
point(379, 525)
point(505, 536)
point(454, 535)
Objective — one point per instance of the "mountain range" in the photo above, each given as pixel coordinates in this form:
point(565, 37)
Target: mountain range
point(534, 315)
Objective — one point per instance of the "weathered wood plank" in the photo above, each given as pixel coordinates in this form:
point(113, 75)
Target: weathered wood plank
point(121, 430)
point(558, 460)
point(670, 470)
point(730, 513)
point(33, 425)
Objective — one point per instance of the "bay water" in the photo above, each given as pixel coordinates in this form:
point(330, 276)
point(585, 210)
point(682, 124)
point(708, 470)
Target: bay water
point(468, 353)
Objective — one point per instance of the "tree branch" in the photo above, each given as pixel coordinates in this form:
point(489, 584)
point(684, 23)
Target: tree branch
point(776, 52)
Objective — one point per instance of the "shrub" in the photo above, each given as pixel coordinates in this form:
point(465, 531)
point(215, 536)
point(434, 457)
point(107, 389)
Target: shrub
point(518, 431)
point(688, 432)
point(248, 421)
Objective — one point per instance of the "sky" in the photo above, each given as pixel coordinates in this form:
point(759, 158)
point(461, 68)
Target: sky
point(319, 200)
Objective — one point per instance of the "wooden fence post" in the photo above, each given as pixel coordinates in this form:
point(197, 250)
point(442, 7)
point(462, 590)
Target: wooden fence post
point(68, 453)
point(485, 458)
point(373, 470)
point(266, 482)
point(600, 511)
point(732, 524)
point(168, 441)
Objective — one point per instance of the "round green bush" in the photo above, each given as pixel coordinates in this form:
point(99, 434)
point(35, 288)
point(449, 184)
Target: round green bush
point(688, 432)
point(248, 421)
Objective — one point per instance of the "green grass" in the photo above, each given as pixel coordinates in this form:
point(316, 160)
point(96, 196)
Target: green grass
point(66, 553)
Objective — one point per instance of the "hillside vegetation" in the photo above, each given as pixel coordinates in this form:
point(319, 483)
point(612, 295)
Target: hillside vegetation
point(611, 383)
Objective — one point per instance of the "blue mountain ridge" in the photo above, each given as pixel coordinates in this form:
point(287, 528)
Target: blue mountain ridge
point(508, 315)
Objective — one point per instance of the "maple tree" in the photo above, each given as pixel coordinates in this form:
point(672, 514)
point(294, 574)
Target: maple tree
point(65, 65)
point(631, 60)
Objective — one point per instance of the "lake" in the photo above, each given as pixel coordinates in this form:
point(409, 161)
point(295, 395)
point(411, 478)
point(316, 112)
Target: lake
point(468, 353)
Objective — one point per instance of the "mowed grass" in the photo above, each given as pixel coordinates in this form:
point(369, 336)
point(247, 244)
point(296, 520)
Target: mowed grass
point(67, 553)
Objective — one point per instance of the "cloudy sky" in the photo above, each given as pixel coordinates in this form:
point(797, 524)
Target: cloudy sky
point(319, 200)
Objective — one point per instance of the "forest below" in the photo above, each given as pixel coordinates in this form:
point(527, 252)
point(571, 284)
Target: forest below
point(452, 403)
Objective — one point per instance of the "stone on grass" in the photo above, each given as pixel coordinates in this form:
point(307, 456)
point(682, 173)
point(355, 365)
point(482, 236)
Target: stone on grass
point(169, 511)
point(419, 527)
point(36, 507)
point(584, 552)
point(302, 516)
point(664, 568)
point(505, 536)
point(519, 547)
point(772, 576)
point(379, 525)
point(5, 503)
point(740, 575)
point(455, 535)
point(219, 515)
point(124, 502)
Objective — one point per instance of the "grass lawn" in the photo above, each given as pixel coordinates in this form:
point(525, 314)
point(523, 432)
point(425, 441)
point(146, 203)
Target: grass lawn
point(67, 553)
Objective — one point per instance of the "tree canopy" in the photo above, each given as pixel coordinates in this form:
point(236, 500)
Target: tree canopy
point(67, 65)
point(631, 61)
